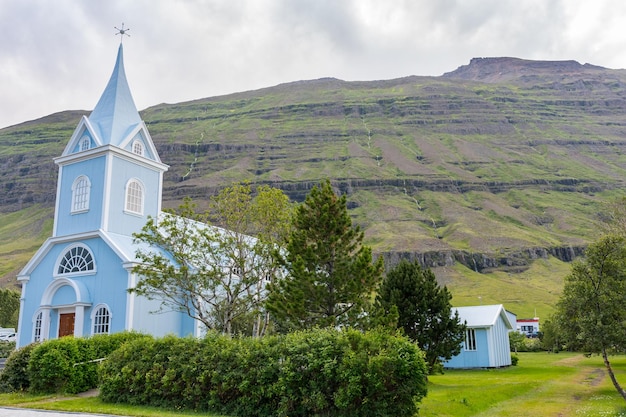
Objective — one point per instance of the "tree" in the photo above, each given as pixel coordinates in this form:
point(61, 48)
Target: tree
point(215, 273)
point(424, 311)
point(267, 216)
point(591, 312)
point(330, 275)
point(549, 335)
point(516, 341)
point(9, 307)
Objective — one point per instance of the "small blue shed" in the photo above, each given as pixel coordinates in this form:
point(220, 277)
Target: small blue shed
point(486, 342)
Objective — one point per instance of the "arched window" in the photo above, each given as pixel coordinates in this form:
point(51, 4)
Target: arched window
point(80, 194)
point(38, 322)
point(101, 319)
point(138, 148)
point(134, 197)
point(85, 143)
point(77, 259)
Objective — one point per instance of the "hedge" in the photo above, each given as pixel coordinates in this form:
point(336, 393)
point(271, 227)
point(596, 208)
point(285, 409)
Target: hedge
point(14, 376)
point(310, 373)
point(66, 365)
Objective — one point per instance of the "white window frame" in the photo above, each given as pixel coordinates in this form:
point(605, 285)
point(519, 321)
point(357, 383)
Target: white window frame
point(85, 143)
point(134, 197)
point(81, 193)
point(38, 326)
point(74, 260)
point(137, 147)
point(96, 317)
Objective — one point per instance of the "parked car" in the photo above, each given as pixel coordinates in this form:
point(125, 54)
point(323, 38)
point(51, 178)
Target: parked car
point(7, 337)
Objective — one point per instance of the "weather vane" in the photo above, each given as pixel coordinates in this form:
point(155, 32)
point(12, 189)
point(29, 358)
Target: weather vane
point(122, 32)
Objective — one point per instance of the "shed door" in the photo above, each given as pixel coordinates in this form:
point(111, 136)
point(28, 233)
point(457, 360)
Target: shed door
point(66, 324)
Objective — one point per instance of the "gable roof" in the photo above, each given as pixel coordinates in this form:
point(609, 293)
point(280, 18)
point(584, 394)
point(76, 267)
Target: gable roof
point(115, 115)
point(483, 316)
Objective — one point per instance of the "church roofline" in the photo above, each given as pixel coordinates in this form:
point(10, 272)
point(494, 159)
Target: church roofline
point(103, 150)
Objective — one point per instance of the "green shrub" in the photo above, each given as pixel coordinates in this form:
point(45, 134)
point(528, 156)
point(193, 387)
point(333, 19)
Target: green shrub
point(514, 359)
point(14, 376)
point(70, 364)
point(380, 375)
point(51, 367)
point(531, 345)
point(6, 348)
point(321, 372)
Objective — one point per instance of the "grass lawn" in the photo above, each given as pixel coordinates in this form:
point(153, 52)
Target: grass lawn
point(543, 384)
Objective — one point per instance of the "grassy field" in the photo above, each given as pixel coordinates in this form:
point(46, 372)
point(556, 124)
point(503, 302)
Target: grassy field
point(543, 384)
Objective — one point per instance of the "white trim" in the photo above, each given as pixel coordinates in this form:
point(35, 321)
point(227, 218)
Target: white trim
point(137, 144)
point(78, 307)
point(44, 330)
point(92, 271)
point(75, 184)
point(83, 125)
point(106, 190)
point(84, 139)
point(57, 203)
point(160, 193)
point(94, 312)
point(24, 274)
point(141, 127)
point(103, 150)
point(130, 301)
point(80, 291)
point(142, 202)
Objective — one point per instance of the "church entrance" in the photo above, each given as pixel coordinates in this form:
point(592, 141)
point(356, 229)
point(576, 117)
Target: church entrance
point(66, 324)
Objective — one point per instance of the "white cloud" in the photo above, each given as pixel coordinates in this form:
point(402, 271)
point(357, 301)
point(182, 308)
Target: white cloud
point(58, 55)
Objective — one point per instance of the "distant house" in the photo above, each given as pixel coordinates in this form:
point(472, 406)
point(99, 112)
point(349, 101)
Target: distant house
point(486, 342)
point(530, 327)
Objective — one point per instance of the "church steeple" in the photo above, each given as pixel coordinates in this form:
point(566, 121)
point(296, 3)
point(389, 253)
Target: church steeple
point(115, 115)
point(110, 174)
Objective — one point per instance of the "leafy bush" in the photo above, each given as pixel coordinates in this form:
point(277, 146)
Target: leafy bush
point(51, 366)
point(531, 345)
point(14, 376)
point(70, 364)
point(514, 359)
point(6, 348)
point(320, 372)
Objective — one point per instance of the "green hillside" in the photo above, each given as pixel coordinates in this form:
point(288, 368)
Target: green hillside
point(495, 175)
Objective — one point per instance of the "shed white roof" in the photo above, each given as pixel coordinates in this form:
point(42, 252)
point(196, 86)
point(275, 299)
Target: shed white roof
point(482, 316)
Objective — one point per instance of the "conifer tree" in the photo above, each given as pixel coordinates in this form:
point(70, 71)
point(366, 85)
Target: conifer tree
point(330, 276)
point(424, 311)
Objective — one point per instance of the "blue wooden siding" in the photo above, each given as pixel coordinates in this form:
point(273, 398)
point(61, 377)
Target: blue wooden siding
point(68, 223)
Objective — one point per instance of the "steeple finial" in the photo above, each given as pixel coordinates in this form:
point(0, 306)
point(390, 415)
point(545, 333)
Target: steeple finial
point(122, 32)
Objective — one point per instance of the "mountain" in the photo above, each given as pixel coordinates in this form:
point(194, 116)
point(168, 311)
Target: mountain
point(495, 174)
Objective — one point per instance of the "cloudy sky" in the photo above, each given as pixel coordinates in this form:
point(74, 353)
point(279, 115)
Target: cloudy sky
point(58, 55)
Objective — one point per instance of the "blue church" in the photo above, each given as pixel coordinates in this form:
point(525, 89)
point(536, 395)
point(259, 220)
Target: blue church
point(110, 180)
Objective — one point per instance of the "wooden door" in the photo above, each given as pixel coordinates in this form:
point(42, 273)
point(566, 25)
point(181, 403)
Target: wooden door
point(66, 324)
